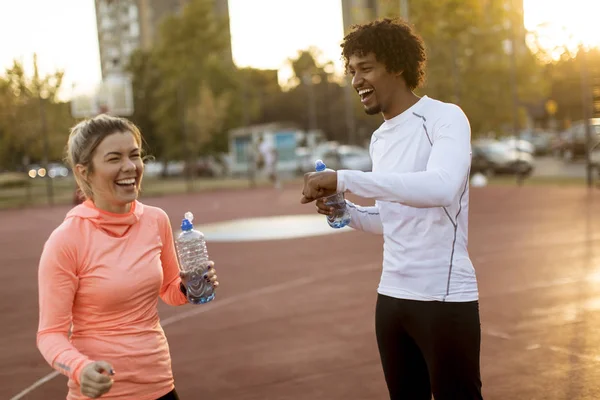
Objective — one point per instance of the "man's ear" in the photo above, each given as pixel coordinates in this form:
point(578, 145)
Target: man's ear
point(399, 73)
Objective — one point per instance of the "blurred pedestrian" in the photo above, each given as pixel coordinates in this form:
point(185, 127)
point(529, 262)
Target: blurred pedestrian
point(267, 161)
point(427, 313)
point(102, 271)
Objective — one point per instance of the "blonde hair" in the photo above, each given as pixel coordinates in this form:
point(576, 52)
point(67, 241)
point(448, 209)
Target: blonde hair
point(85, 137)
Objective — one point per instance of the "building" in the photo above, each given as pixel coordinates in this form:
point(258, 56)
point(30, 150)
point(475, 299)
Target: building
point(153, 11)
point(126, 25)
point(151, 14)
point(286, 138)
point(360, 11)
point(118, 34)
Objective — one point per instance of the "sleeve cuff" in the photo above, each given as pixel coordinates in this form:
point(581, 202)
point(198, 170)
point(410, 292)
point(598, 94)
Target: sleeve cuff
point(77, 373)
point(341, 183)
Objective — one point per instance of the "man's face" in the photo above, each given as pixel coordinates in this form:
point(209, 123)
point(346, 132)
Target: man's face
point(373, 82)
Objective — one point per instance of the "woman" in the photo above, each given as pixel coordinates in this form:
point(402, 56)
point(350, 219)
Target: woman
point(102, 270)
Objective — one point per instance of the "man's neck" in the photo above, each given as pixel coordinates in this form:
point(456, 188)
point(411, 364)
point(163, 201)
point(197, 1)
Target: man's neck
point(402, 102)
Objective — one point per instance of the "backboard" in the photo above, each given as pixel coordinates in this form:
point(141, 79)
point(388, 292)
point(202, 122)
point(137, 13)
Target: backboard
point(113, 96)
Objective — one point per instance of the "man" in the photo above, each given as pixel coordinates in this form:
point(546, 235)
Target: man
point(427, 313)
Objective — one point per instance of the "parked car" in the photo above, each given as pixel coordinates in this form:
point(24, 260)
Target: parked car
point(541, 141)
point(519, 144)
point(348, 157)
point(55, 170)
point(492, 157)
point(335, 157)
point(575, 143)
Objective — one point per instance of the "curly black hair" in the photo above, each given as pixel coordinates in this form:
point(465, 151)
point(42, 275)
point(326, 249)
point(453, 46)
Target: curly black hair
point(394, 43)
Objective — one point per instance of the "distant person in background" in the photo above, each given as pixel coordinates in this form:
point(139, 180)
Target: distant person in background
point(427, 313)
point(267, 161)
point(102, 271)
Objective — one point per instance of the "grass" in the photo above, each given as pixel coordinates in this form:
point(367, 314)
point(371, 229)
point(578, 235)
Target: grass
point(34, 192)
point(538, 181)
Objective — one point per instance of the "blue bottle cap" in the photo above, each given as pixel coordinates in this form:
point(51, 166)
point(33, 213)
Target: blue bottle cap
point(320, 166)
point(186, 225)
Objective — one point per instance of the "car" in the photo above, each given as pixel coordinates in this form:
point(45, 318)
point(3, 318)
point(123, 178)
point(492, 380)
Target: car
point(575, 143)
point(492, 157)
point(355, 157)
point(520, 144)
point(55, 170)
point(348, 157)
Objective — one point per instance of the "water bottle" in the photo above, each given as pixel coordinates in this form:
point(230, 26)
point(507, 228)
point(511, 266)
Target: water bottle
point(193, 257)
point(341, 216)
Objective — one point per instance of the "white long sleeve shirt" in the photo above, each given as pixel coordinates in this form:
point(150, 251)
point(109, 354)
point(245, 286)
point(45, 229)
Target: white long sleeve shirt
point(419, 180)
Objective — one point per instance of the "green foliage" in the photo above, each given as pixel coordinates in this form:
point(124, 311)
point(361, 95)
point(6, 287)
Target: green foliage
point(566, 88)
point(180, 75)
point(22, 100)
point(469, 63)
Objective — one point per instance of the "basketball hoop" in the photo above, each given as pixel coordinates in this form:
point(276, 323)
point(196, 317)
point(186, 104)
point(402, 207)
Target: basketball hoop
point(113, 96)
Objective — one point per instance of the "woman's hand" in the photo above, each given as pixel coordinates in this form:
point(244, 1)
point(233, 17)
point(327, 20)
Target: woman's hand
point(96, 379)
point(210, 275)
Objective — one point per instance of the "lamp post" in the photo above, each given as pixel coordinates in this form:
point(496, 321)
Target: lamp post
point(587, 105)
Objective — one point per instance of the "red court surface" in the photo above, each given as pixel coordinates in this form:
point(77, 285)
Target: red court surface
point(294, 318)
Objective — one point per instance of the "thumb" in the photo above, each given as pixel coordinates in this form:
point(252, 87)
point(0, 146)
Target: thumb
point(185, 275)
point(305, 200)
point(103, 366)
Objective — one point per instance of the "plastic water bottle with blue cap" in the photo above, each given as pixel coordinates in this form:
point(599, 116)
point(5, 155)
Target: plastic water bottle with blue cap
point(341, 216)
point(193, 259)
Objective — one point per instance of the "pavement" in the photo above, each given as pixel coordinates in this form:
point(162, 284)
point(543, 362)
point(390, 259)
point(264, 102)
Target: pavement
point(293, 319)
point(548, 166)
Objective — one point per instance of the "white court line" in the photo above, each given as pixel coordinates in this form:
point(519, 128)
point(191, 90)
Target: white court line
point(495, 333)
point(574, 354)
point(217, 304)
point(36, 385)
point(562, 350)
point(288, 285)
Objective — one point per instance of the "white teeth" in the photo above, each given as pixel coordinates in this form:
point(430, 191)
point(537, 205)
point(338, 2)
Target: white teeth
point(126, 182)
point(364, 91)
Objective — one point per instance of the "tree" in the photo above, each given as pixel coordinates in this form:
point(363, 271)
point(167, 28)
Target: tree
point(468, 61)
point(565, 78)
point(188, 56)
point(145, 81)
point(22, 100)
point(260, 95)
point(563, 71)
point(206, 117)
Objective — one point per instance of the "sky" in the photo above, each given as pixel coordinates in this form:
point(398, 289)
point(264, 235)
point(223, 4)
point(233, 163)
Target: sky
point(265, 33)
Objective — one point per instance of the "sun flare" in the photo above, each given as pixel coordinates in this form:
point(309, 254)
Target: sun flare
point(559, 26)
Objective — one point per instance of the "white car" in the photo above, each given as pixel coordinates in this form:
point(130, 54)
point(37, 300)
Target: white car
point(521, 145)
point(348, 157)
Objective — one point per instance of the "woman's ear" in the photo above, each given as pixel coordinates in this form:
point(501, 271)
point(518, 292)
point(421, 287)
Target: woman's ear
point(82, 171)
